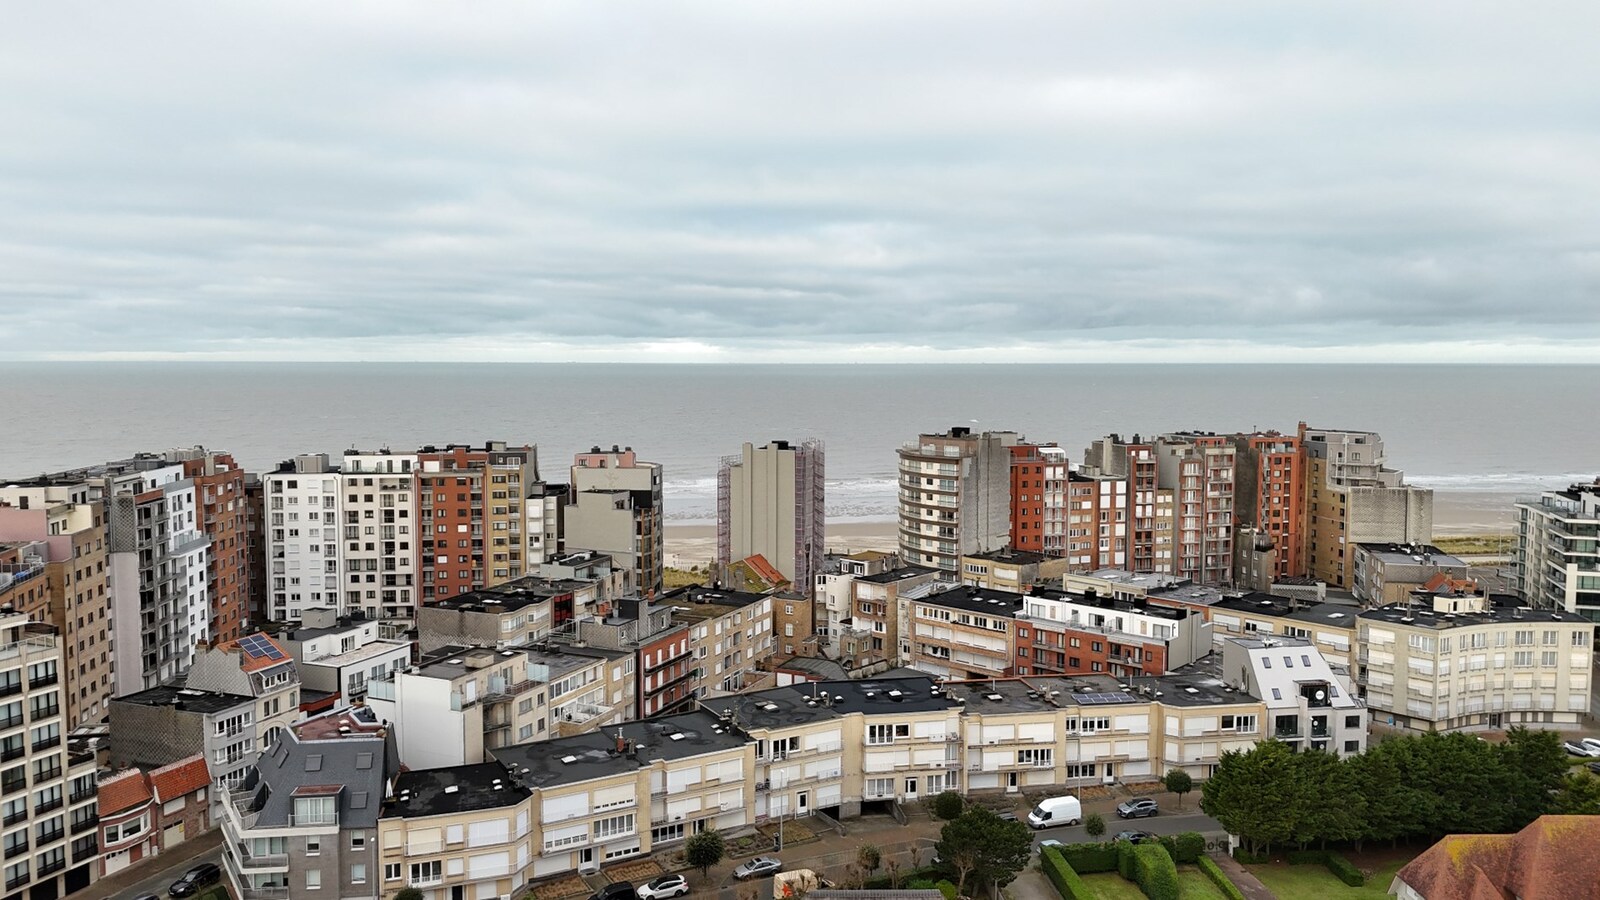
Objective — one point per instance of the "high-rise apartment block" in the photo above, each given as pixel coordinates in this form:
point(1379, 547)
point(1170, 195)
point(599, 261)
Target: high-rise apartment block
point(955, 496)
point(224, 517)
point(616, 508)
point(1270, 490)
point(471, 504)
point(771, 503)
point(54, 569)
point(1351, 498)
point(1038, 503)
point(1200, 469)
point(1558, 550)
point(1150, 509)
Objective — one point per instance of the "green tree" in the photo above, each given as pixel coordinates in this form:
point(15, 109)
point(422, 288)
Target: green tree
point(948, 805)
point(704, 850)
point(1179, 782)
point(1095, 824)
point(1579, 795)
point(1537, 772)
point(1253, 794)
point(408, 893)
point(1325, 800)
point(982, 846)
point(868, 857)
point(1376, 778)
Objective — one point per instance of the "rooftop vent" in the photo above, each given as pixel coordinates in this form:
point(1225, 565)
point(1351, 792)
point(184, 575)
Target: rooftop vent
point(569, 759)
point(451, 788)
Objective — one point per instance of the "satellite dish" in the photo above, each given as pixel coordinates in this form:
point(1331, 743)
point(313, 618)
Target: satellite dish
point(1321, 695)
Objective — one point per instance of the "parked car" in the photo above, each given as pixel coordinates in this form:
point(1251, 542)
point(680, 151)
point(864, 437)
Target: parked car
point(1050, 842)
point(1137, 809)
point(1574, 748)
point(1595, 767)
point(1593, 744)
point(1007, 816)
point(200, 876)
point(757, 867)
point(664, 887)
point(147, 897)
point(1134, 837)
point(616, 890)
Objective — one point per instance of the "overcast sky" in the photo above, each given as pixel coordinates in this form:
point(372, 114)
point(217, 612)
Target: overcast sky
point(812, 181)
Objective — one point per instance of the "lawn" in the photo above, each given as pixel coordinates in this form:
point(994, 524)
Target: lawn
point(1312, 882)
point(1192, 885)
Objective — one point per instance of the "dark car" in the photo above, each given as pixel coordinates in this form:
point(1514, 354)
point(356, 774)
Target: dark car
point(1594, 767)
point(200, 876)
point(616, 890)
point(1134, 837)
point(147, 897)
point(1137, 809)
point(1007, 816)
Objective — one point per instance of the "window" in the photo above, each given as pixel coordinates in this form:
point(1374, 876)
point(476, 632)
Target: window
point(358, 840)
point(358, 873)
point(1083, 770)
point(1042, 757)
point(1352, 721)
point(313, 879)
point(313, 845)
point(427, 872)
point(315, 811)
point(1352, 746)
point(392, 871)
point(1580, 639)
point(1239, 724)
point(615, 826)
point(1522, 658)
point(1548, 658)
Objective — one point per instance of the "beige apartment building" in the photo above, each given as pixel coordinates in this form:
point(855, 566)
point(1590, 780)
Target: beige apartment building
point(965, 632)
point(1011, 570)
point(878, 630)
point(460, 831)
point(1352, 497)
point(730, 632)
point(1467, 662)
point(1388, 573)
point(955, 496)
point(771, 503)
point(1330, 626)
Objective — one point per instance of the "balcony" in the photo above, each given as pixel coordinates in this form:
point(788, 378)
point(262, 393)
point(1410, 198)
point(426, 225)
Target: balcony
point(255, 890)
point(78, 827)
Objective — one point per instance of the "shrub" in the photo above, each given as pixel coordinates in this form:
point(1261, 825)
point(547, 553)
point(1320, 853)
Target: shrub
point(920, 884)
point(1060, 872)
point(1191, 846)
point(1220, 878)
point(1095, 824)
point(1087, 859)
point(1245, 856)
point(947, 889)
point(948, 805)
point(1169, 844)
point(1306, 857)
point(408, 893)
point(1345, 870)
point(1154, 872)
point(1124, 860)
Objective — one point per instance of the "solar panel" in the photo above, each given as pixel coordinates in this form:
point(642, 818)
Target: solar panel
point(1092, 699)
point(258, 646)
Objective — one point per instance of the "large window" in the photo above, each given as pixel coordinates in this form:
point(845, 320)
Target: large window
point(427, 873)
point(612, 827)
point(316, 811)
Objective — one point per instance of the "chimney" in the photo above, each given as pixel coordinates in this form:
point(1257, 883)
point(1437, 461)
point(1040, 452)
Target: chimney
point(622, 743)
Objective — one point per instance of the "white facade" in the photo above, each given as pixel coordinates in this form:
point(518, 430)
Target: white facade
point(1558, 550)
point(302, 532)
point(1308, 705)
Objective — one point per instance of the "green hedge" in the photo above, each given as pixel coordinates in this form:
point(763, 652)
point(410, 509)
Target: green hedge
point(1342, 868)
point(1154, 872)
point(1124, 860)
point(1219, 878)
point(1191, 846)
point(928, 873)
point(947, 889)
point(1245, 856)
point(1061, 874)
point(1087, 859)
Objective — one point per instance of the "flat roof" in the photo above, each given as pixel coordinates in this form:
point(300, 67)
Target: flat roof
point(1198, 594)
point(1007, 555)
point(1200, 683)
point(360, 654)
point(1407, 554)
point(1140, 579)
point(1034, 694)
point(978, 600)
point(1259, 604)
point(799, 704)
point(899, 574)
point(697, 602)
point(1113, 604)
point(511, 596)
point(453, 790)
point(1503, 609)
point(569, 760)
point(190, 699)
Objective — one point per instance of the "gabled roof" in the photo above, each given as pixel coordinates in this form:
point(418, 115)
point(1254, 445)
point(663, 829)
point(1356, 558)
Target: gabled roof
point(766, 571)
point(182, 777)
point(1543, 861)
point(123, 791)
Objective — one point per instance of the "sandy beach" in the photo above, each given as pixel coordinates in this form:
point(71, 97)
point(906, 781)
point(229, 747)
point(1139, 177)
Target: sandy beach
point(1455, 514)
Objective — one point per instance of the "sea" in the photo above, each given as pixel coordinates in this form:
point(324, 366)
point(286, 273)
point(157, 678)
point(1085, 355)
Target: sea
point(1479, 435)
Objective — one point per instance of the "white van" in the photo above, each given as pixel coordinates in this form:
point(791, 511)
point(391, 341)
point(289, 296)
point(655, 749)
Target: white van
point(1056, 811)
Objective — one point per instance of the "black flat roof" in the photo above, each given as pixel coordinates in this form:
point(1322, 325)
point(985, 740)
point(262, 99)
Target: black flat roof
point(191, 700)
point(799, 704)
point(980, 600)
point(582, 757)
point(456, 789)
point(899, 574)
point(1503, 609)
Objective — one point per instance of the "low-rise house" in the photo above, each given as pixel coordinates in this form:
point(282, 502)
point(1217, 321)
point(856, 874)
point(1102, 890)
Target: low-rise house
point(1011, 570)
point(458, 831)
point(143, 814)
point(1388, 573)
point(257, 666)
point(337, 655)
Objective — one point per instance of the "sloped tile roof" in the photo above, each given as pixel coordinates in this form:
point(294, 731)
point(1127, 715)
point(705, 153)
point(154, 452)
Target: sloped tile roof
point(182, 777)
point(1543, 861)
point(123, 791)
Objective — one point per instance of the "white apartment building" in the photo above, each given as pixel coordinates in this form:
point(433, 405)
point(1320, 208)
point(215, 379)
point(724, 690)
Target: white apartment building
point(1558, 550)
point(1308, 706)
point(955, 496)
point(1463, 662)
point(302, 530)
point(339, 655)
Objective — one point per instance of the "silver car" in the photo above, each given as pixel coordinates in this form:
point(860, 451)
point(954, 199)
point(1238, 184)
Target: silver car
point(757, 867)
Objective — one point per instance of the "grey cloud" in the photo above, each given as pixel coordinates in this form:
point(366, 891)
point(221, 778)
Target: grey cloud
point(299, 179)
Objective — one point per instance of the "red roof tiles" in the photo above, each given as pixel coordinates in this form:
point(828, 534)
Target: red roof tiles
point(123, 791)
point(1543, 861)
point(183, 777)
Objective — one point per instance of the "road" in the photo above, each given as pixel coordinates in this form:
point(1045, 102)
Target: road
point(1174, 821)
point(157, 884)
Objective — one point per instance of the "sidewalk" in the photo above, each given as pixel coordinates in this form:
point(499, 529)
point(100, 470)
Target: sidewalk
point(1251, 886)
point(177, 859)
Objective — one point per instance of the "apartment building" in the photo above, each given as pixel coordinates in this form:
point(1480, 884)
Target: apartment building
point(454, 706)
point(833, 590)
point(517, 612)
point(1329, 626)
point(1309, 706)
point(1388, 573)
point(1038, 507)
point(1120, 584)
point(1196, 716)
point(544, 520)
point(1352, 497)
point(633, 789)
point(663, 660)
point(879, 627)
point(165, 725)
point(615, 508)
point(955, 496)
point(54, 568)
point(1460, 660)
point(1255, 559)
point(1011, 570)
point(794, 619)
point(470, 507)
point(730, 633)
point(1200, 468)
point(1100, 521)
point(1270, 488)
point(1151, 509)
point(337, 655)
point(254, 666)
point(965, 632)
point(1060, 633)
point(223, 515)
point(1558, 550)
point(255, 502)
point(49, 786)
point(457, 831)
point(306, 825)
point(771, 502)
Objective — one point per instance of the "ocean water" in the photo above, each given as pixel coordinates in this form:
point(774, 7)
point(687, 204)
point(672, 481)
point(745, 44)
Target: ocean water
point(1483, 432)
